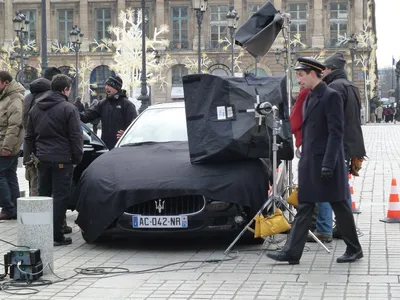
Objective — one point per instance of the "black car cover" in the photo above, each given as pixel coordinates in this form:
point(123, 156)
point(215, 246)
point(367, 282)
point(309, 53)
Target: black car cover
point(222, 124)
point(130, 175)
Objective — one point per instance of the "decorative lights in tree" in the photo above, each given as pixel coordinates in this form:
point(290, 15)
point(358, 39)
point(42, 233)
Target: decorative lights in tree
point(126, 44)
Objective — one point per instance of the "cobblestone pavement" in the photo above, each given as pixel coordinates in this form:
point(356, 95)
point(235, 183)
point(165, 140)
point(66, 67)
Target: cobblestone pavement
point(251, 275)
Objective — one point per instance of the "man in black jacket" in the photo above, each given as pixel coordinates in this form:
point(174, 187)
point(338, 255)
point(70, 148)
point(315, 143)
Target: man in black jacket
point(55, 136)
point(116, 112)
point(37, 88)
point(336, 78)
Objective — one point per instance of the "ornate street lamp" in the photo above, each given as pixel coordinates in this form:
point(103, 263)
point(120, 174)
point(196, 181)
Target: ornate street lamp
point(398, 84)
point(200, 6)
point(352, 42)
point(76, 41)
point(232, 19)
point(144, 97)
point(21, 25)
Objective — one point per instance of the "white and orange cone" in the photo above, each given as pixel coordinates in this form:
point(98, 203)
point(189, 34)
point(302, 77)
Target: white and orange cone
point(354, 208)
point(393, 213)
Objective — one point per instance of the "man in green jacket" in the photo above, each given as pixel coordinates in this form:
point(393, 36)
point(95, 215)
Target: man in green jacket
point(11, 137)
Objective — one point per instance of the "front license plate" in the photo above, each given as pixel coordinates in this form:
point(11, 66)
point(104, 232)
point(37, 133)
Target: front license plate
point(139, 221)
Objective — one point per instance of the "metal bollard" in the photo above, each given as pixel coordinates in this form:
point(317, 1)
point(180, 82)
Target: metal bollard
point(35, 227)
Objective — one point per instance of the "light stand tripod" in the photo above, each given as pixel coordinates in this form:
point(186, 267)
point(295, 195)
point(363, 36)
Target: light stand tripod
point(261, 110)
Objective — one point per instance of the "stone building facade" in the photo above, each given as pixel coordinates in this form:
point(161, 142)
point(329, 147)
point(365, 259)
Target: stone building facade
point(319, 22)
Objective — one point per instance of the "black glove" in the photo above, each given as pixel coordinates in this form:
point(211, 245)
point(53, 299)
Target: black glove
point(326, 173)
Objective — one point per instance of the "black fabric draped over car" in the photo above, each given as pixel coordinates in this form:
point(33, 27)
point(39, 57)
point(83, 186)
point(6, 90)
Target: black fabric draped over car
point(220, 126)
point(126, 176)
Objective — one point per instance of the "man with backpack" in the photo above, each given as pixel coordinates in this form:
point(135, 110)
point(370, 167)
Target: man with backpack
point(336, 78)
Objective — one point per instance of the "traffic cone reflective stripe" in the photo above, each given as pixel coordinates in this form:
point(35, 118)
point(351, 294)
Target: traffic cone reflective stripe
point(393, 214)
point(354, 208)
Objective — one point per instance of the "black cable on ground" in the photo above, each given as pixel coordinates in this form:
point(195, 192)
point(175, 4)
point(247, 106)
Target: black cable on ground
point(14, 287)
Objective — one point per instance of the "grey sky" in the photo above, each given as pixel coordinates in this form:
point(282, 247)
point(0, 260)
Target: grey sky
point(387, 23)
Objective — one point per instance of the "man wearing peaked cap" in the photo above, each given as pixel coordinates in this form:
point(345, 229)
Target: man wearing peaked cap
point(309, 64)
point(354, 150)
point(322, 172)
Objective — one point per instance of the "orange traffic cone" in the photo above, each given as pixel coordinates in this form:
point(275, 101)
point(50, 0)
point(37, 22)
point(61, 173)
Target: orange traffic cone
point(393, 214)
point(354, 209)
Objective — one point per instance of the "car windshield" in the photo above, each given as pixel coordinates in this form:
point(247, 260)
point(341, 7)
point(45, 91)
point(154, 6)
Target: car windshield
point(157, 125)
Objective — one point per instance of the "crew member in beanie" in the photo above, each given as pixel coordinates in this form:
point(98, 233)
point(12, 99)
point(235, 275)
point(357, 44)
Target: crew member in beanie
point(116, 112)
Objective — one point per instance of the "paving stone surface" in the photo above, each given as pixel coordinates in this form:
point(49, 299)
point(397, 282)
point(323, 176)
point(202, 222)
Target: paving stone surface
point(250, 275)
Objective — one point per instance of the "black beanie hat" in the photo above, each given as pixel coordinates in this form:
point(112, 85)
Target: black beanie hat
point(115, 82)
point(49, 73)
point(335, 61)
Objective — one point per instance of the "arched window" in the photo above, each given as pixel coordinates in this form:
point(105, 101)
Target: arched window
point(98, 79)
point(29, 75)
point(260, 72)
point(220, 70)
point(178, 71)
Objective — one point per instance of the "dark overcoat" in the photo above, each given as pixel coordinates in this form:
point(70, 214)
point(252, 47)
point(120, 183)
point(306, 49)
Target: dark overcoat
point(322, 130)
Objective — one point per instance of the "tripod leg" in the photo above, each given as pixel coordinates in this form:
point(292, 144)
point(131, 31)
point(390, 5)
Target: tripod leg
point(247, 227)
point(310, 232)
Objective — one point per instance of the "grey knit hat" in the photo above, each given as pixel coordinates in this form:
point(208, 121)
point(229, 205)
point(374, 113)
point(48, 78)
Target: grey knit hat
point(335, 61)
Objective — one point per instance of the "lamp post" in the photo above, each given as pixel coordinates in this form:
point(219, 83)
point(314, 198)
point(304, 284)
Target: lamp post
point(76, 36)
point(397, 84)
point(144, 97)
point(352, 42)
point(21, 24)
point(44, 36)
point(200, 6)
point(232, 18)
point(284, 52)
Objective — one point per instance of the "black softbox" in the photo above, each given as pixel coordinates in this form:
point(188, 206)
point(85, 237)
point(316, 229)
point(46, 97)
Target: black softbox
point(220, 126)
point(260, 31)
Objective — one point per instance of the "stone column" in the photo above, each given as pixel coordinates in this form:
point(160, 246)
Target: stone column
point(35, 227)
point(159, 18)
point(278, 4)
point(318, 40)
point(120, 6)
point(357, 16)
point(83, 24)
point(8, 23)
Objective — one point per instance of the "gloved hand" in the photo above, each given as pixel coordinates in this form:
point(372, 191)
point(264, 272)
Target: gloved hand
point(326, 173)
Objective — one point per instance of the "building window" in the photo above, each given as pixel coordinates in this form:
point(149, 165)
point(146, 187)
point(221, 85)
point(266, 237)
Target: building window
point(298, 25)
point(103, 21)
point(65, 23)
point(137, 11)
point(178, 72)
point(31, 16)
point(219, 25)
point(338, 21)
point(254, 7)
point(180, 28)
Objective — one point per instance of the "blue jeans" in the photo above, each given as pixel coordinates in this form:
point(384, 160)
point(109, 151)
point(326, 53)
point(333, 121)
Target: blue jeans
point(325, 219)
point(9, 187)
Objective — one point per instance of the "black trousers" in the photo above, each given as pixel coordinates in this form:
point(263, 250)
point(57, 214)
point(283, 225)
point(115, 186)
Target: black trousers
point(55, 180)
point(302, 222)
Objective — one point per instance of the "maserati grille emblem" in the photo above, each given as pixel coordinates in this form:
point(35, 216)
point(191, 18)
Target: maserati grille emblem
point(159, 205)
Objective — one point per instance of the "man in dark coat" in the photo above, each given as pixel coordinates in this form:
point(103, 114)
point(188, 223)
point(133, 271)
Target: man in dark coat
point(322, 171)
point(54, 136)
point(37, 88)
point(116, 112)
point(336, 78)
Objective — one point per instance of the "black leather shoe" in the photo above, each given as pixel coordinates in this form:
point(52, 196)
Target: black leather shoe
point(67, 230)
point(63, 242)
point(348, 258)
point(281, 256)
